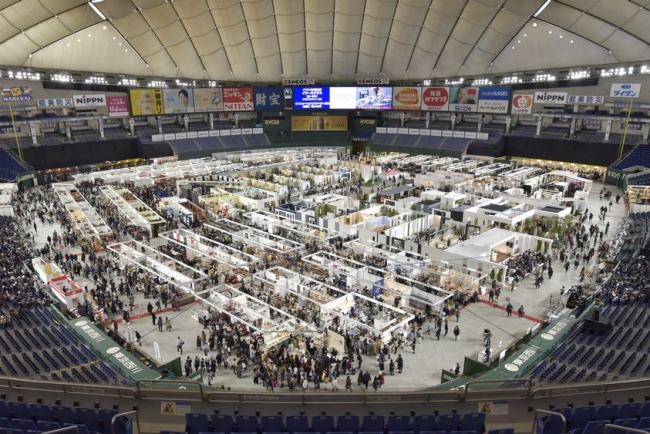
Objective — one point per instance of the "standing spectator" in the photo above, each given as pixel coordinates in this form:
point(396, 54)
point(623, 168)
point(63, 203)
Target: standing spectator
point(348, 384)
point(168, 324)
point(153, 318)
point(160, 324)
point(457, 369)
point(179, 345)
point(509, 309)
point(400, 363)
point(456, 333)
point(520, 311)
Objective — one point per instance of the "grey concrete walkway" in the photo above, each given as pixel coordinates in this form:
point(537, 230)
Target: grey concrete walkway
point(422, 369)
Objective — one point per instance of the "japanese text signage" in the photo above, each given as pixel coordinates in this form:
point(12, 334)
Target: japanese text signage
point(493, 99)
point(311, 98)
point(146, 102)
point(208, 100)
point(55, 102)
point(118, 106)
point(522, 104)
point(268, 98)
point(435, 98)
point(237, 98)
point(16, 94)
point(625, 90)
point(586, 99)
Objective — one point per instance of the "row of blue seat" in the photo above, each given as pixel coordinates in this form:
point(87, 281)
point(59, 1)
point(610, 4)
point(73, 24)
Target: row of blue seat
point(577, 418)
point(200, 422)
point(553, 425)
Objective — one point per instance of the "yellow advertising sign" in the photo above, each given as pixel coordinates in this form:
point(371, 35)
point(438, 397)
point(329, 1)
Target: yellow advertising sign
point(146, 102)
point(319, 123)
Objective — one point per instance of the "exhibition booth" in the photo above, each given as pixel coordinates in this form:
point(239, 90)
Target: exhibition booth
point(135, 212)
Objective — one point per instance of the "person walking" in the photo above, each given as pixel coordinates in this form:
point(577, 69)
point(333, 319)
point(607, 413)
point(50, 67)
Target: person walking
point(509, 309)
point(168, 324)
point(520, 311)
point(179, 345)
point(457, 369)
point(456, 333)
point(438, 330)
point(153, 318)
point(446, 326)
point(138, 338)
point(160, 324)
point(348, 384)
point(400, 363)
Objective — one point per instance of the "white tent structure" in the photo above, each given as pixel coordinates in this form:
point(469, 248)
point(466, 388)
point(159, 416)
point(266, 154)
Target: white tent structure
point(268, 40)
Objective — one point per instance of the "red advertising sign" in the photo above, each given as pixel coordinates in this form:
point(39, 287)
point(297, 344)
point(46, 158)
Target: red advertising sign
point(237, 99)
point(435, 98)
point(117, 106)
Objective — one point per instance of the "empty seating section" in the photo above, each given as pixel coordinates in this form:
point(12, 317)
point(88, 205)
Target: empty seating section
point(592, 419)
point(10, 166)
point(349, 423)
point(30, 346)
point(207, 143)
point(417, 141)
point(41, 418)
point(639, 156)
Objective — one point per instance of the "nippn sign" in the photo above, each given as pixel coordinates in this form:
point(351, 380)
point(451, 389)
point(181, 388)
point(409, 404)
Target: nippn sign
point(90, 100)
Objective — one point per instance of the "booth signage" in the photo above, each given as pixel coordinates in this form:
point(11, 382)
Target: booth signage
point(92, 100)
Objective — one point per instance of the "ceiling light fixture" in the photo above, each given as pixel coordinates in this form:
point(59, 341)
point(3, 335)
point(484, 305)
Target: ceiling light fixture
point(541, 9)
point(96, 9)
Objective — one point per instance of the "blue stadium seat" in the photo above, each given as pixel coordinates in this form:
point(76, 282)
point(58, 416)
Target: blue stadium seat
point(42, 412)
point(5, 423)
point(222, 423)
point(474, 422)
point(424, 422)
point(592, 427)
point(4, 430)
point(272, 424)
point(448, 422)
point(398, 423)
point(644, 423)
point(246, 423)
point(4, 409)
point(581, 416)
point(373, 423)
point(89, 417)
point(44, 425)
point(322, 424)
point(23, 424)
point(606, 412)
point(196, 423)
point(82, 428)
point(627, 423)
point(19, 410)
point(63, 414)
point(297, 423)
point(347, 423)
point(644, 411)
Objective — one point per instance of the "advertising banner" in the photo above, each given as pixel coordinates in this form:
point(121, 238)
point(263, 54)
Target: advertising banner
point(117, 106)
point(16, 94)
point(237, 99)
point(586, 99)
point(406, 98)
point(268, 98)
point(146, 102)
point(463, 99)
point(551, 98)
point(522, 104)
point(208, 100)
point(435, 99)
point(625, 90)
point(374, 98)
point(493, 99)
point(319, 123)
point(55, 102)
point(178, 100)
point(90, 100)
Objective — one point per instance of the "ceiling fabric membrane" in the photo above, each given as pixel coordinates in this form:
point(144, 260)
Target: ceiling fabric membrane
point(264, 41)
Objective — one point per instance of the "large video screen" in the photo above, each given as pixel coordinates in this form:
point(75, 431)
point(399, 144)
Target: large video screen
point(309, 98)
point(374, 98)
point(344, 98)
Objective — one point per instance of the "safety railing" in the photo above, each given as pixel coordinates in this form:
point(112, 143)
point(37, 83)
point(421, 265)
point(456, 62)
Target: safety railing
point(126, 413)
point(538, 422)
